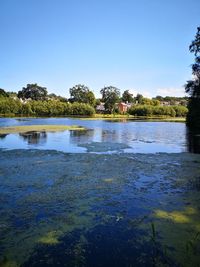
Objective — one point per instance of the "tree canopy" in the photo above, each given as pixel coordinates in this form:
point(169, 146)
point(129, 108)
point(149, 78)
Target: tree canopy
point(110, 95)
point(139, 98)
point(127, 96)
point(3, 93)
point(193, 86)
point(81, 94)
point(33, 91)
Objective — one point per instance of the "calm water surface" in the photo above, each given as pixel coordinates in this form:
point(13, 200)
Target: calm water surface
point(139, 137)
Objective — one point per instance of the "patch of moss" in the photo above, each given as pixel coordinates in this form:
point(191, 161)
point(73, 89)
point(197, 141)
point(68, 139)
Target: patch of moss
point(175, 216)
point(38, 128)
point(51, 238)
point(8, 263)
point(108, 180)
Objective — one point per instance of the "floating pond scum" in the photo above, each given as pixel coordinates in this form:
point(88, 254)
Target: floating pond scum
point(89, 209)
point(90, 197)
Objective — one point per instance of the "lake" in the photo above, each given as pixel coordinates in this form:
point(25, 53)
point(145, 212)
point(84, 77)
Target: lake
point(138, 136)
point(121, 193)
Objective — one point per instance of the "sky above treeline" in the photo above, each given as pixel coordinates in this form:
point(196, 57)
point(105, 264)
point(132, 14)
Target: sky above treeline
point(137, 45)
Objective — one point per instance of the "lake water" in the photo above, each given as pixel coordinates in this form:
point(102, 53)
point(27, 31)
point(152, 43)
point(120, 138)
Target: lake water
point(138, 136)
point(127, 194)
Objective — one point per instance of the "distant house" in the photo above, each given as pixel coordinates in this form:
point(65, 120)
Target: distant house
point(100, 108)
point(165, 103)
point(123, 107)
point(23, 101)
point(177, 103)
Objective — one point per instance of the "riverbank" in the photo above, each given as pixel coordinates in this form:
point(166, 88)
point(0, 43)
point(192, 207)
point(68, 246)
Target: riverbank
point(106, 117)
point(131, 117)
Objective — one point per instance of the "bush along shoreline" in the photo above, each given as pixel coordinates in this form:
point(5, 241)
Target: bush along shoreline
point(49, 108)
point(148, 110)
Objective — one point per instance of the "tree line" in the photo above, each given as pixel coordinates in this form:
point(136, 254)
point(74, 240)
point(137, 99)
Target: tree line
point(10, 106)
point(35, 100)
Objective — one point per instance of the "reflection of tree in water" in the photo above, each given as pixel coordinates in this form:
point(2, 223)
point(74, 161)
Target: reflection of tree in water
point(81, 136)
point(34, 138)
point(3, 136)
point(193, 141)
point(109, 136)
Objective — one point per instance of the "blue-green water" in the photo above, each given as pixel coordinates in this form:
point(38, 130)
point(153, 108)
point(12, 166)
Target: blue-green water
point(128, 196)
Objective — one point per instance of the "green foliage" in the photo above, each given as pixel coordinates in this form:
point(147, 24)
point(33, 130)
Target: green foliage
point(193, 86)
point(139, 98)
point(97, 102)
point(155, 102)
point(146, 101)
point(3, 93)
point(149, 110)
point(56, 97)
point(33, 91)
point(44, 108)
point(141, 110)
point(181, 111)
point(81, 94)
point(10, 106)
point(127, 97)
point(110, 95)
point(82, 109)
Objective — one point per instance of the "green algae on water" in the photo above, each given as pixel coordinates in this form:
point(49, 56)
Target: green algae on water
point(94, 198)
point(38, 128)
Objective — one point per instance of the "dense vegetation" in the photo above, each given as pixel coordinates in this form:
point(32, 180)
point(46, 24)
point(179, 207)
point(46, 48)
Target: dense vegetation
point(44, 108)
point(34, 100)
point(149, 110)
point(193, 86)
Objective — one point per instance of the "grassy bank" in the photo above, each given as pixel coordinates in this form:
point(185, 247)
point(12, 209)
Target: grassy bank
point(38, 128)
point(131, 117)
point(105, 117)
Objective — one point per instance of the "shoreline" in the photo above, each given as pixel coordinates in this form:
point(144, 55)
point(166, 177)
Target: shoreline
point(105, 117)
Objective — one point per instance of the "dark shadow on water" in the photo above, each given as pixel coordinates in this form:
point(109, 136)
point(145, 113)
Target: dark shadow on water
point(193, 141)
point(34, 138)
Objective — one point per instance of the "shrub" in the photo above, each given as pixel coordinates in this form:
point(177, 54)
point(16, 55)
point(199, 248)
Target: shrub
point(149, 110)
point(181, 111)
point(44, 108)
point(141, 110)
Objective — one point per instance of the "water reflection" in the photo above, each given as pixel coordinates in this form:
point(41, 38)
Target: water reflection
point(3, 136)
point(34, 138)
point(140, 136)
point(81, 136)
point(193, 141)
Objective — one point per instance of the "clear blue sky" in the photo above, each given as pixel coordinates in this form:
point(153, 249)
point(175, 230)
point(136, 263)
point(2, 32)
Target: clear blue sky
point(139, 45)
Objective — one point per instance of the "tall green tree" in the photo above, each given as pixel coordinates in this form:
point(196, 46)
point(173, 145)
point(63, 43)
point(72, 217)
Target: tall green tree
point(193, 86)
point(81, 94)
point(139, 98)
point(3, 93)
point(110, 96)
point(127, 96)
point(33, 91)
